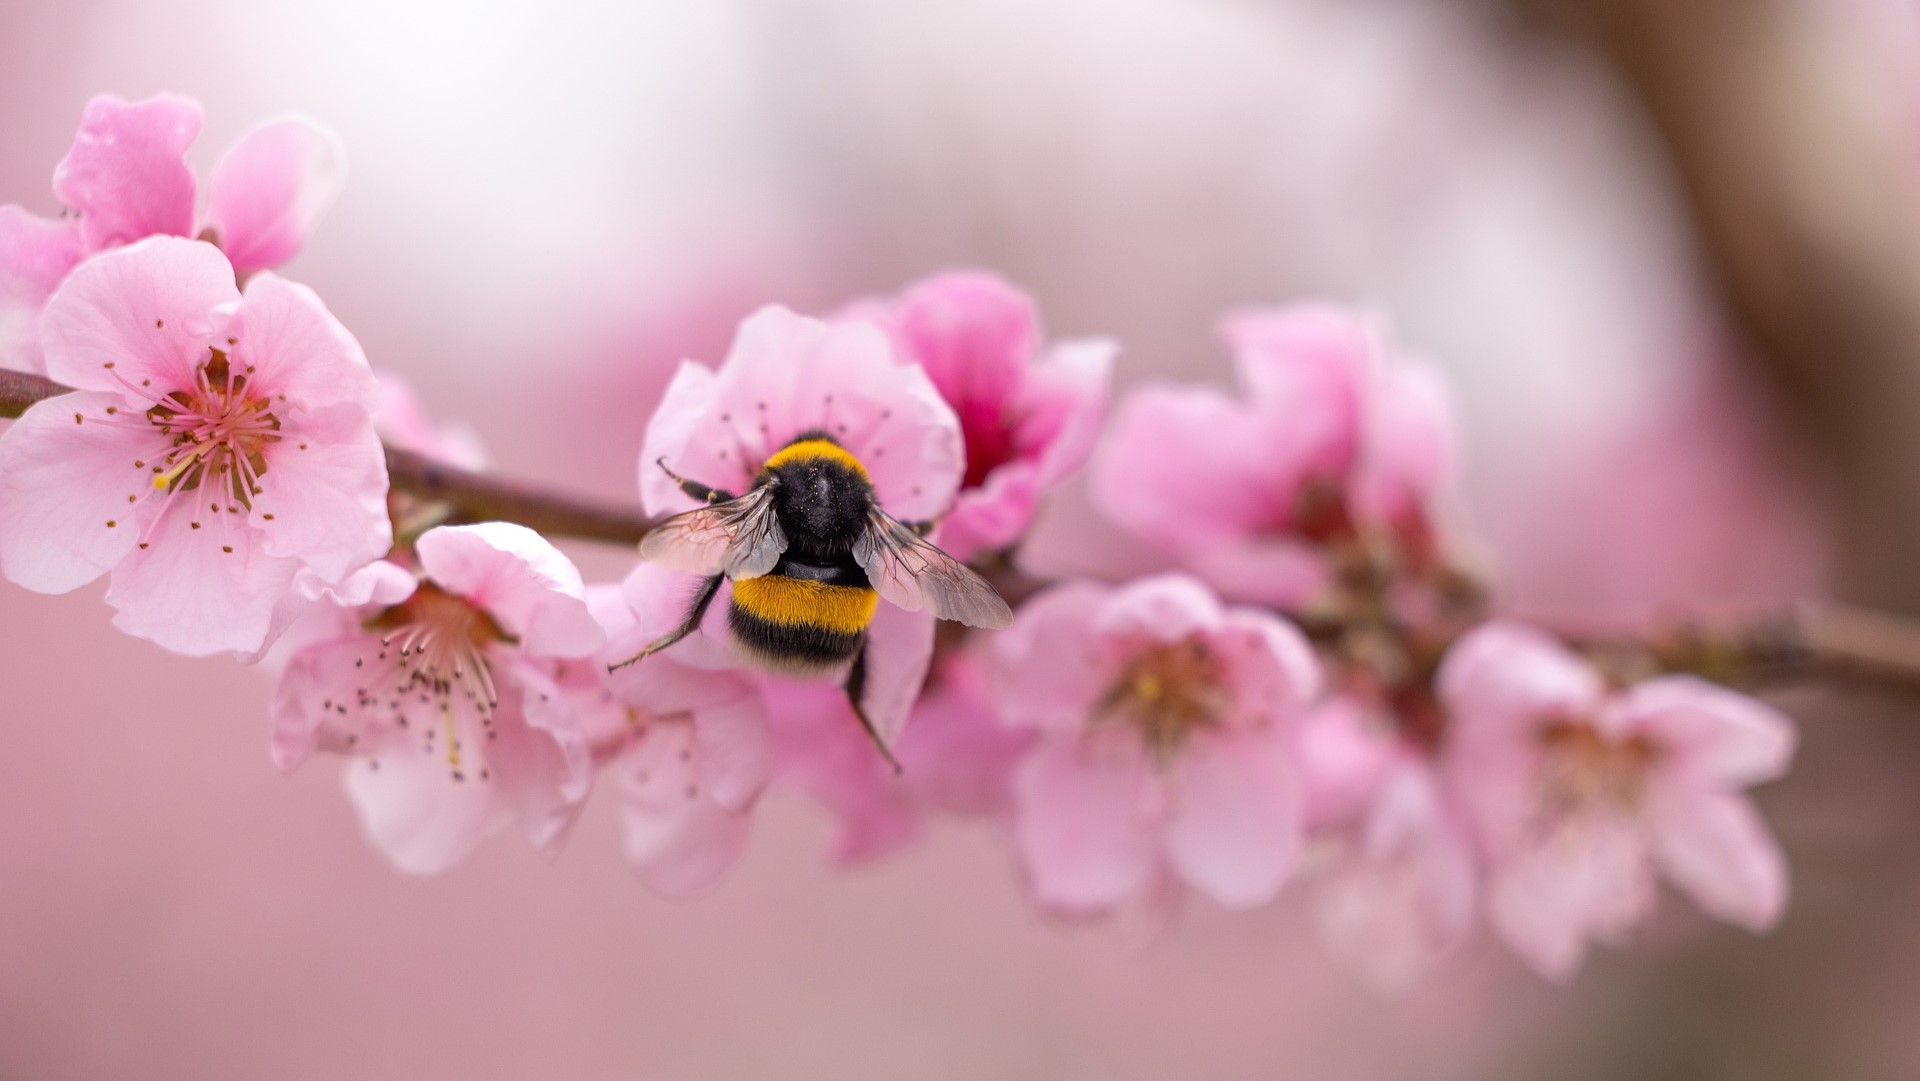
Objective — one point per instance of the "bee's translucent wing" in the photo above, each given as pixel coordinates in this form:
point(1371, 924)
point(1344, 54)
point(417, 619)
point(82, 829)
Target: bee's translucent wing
point(915, 575)
point(740, 538)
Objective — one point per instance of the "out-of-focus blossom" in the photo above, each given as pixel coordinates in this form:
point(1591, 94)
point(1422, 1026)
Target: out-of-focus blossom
point(1029, 417)
point(787, 375)
point(1165, 745)
point(443, 692)
point(1577, 794)
point(216, 446)
point(686, 746)
point(126, 178)
point(955, 756)
point(1332, 438)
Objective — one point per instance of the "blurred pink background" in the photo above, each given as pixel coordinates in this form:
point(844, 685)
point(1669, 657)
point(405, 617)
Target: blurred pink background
point(547, 207)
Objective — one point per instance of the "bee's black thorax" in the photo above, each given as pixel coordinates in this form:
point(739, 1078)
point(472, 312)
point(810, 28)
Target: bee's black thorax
point(821, 495)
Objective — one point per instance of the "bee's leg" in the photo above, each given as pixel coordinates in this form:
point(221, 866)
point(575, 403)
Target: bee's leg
point(694, 488)
point(687, 626)
point(856, 685)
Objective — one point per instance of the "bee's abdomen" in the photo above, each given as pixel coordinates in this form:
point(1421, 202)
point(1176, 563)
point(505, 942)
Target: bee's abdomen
point(799, 624)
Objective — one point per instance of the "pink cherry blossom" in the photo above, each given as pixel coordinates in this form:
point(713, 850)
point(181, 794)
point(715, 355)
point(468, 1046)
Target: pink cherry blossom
point(1330, 437)
point(126, 178)
point(1029, 417)
point(1577, 794)
point(444, 694)
point(956, 759)
point(787, 375)
point(216, 446)
point(686, 746)
point(1165, 745)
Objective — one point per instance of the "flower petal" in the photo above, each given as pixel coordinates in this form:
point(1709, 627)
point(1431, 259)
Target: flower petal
point(35, 255)
point(323, 497)
point(62, 483)
point(1234, 826)
point(136, 317)
point(1721, 734)
point(200, 591)
point(1502, 678)
point(126, 172)
point(899, 649)
point(269, 189)
point(1715, 846)
point(1587, 879)
point(287, 342)
point(1046, 670)
point(1086, 821)
point(680, 840)
point(521, 579)
point(1188, 468)
point(973, 333)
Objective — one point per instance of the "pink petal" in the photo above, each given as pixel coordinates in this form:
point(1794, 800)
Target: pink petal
point(1345, 756)
point(1064, 404)
point(820, 749)
point(1234, 827)
point(35, 255)
point(659, 599)
point(1086, 822)
point(670, 439)
point(1721, 734)
point(992, 516)
point(736, 759)
point(1587, 879)
point(1159, 608)
point(1281, 571)
point(269, 189)
point(1409, 452)
point(136, 314)
point(521, 579)
point(973, 334)
point(380, 583)
point(679, 839)
point(317, 678)
point(899, 648)
point(323, 497)
point(186, 592)
point(1307, 367)
point(61, 482)
point(1188, 468)
point(127, 172)
point(1046, 670)
point(1501, 679)
point(427, 815)
point(1715, 846)
point(1269, 666)
point(289, 344)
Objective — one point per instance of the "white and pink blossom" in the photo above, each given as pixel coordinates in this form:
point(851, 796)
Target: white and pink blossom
point(216, 445)
point(1578, 794)
point(443, 692)
point(1165, 748)
point(786, 375)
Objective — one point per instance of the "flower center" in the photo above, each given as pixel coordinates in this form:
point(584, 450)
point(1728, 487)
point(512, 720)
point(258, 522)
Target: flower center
point(1166, 692)
point(1582, 769)
point(442, 641)
point(219, 430)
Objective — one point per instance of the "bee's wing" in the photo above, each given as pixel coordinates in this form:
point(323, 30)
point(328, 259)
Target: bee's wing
point(740, 538)
point(915, 575)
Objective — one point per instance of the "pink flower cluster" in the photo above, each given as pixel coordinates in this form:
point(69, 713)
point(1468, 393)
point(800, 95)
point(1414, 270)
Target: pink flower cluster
point(219, 459)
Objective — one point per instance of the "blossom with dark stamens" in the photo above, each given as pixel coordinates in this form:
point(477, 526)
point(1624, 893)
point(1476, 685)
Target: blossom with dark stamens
point(216, 446)
point(444, 693)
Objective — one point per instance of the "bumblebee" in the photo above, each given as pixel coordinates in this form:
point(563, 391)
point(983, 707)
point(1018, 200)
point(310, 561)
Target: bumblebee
point(810, 554)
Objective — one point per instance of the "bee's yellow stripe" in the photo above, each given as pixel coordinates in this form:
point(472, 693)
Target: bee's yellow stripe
point(817, 448)
point(778, 598)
